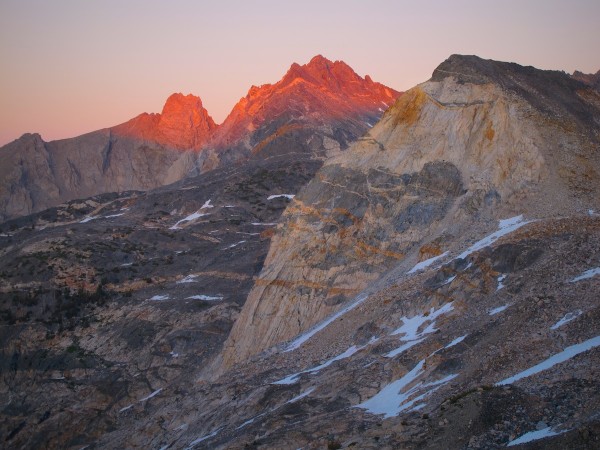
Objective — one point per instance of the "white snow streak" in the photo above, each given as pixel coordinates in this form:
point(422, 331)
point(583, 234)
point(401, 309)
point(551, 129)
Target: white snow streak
point(263, 224)
point(587, 274)
point(302, 338)
point(206, 298)
point(426, 263)
point(449, 280)
point(87, 219)
point(300, 396)
point(505, 227)
point(188, 279)
point(497, 310)
point(203, 438)
point(291, 379)
point(458, 340)
point(194, 216)
point(566, 319)
point(288, 196)
point(563, 356)
point(534, 436)
point(159, 297)
point(189, 218)
point(155, 393)
point(234, 245)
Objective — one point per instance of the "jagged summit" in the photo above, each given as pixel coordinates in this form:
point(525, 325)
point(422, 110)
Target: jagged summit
point(184, 124)
point(319, 92)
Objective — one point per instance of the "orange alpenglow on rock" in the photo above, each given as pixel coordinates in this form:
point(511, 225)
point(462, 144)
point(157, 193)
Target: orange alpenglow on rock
point(184, 124)
point(319, 92)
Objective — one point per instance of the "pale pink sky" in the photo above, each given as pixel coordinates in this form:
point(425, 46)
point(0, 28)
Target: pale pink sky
point(72, 66)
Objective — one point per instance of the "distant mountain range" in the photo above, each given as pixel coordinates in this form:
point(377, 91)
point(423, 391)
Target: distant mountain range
point(322, 106)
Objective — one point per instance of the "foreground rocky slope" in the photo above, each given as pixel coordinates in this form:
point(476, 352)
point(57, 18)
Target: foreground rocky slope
point(316, 109)
point(105, 300)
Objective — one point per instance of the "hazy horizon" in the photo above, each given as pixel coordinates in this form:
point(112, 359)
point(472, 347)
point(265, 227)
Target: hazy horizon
point(72, 67)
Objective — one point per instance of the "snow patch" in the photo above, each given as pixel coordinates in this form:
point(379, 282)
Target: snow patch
point(395, 397)
point(87, 219)
point(154, 394)
point(534, 436)
point(558, 358)
point(291, 379)
point(587, 274)
point(497, 310)
point(458, 340)
point(203, 438)
point(288, 196)
point(206, 205)
point(566, 319)
point(449, 280)
point(159, 298)
point(234, 245)
point(263, 224)
point(206, 298)
point(189, 218)
point(426, 263)
point(188, 279)
point(300, 396)
point(302, 338)
point(114, 215)
point(500, 279)
point(505, 227)
point(411, 326)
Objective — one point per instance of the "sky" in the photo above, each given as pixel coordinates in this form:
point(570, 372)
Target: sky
point(68, 67)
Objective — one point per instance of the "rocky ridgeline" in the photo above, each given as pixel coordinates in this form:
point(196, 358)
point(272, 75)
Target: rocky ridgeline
point(316, 109)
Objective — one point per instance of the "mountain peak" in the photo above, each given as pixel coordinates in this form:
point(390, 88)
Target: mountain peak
point(183, 124)
point(319, 62)
point(179, 102)
point(319, 92)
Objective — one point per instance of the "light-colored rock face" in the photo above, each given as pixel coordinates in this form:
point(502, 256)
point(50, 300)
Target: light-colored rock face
point(448, 154)
point(38, 174)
